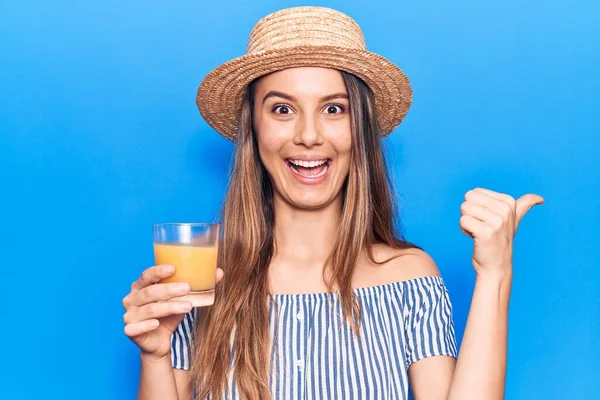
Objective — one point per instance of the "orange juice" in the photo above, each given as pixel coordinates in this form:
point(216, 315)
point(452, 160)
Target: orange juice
point(194, 264)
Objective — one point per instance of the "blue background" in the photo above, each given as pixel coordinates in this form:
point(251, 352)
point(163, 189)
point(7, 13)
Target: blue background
point(100, 137)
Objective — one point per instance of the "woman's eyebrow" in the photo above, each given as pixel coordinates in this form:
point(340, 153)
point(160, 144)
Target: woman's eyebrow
point(334, 96)
point(275, 93)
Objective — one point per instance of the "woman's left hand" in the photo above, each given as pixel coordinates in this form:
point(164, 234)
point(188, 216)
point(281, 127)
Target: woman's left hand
point(492, 220)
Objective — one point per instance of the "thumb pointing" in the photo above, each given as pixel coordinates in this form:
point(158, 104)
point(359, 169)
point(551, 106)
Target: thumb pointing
point(525, 203)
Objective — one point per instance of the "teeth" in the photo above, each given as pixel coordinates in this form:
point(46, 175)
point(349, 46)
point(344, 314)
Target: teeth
point(311, 176)
point(308, 164)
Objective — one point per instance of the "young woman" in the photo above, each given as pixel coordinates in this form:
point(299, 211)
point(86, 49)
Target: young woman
point(319, 298)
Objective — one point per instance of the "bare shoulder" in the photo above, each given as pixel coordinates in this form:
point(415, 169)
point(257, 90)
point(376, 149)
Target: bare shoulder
point(401, 265)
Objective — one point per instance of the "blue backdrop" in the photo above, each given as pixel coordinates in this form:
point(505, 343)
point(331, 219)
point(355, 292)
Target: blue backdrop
point(100, 137)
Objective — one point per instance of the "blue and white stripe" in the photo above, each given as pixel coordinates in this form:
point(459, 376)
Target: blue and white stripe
point(316, 355)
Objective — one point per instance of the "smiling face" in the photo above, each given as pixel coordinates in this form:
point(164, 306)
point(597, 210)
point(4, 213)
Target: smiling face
point(301, 119)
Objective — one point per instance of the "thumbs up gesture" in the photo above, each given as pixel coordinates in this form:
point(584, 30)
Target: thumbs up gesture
point(492, 220)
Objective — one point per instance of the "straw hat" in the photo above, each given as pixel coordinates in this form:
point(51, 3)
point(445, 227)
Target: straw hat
point(303, 37)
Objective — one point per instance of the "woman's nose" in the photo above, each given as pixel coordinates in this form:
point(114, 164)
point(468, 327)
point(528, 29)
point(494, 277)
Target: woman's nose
point(309, 132)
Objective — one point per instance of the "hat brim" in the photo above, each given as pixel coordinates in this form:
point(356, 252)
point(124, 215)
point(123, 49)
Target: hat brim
point(220, 94)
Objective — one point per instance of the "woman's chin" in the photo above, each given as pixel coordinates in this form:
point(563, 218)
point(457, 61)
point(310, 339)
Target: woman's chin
point(311, 202)
point(309, 205)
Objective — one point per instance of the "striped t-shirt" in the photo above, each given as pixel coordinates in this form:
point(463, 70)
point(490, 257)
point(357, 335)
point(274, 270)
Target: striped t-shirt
point(315, 355)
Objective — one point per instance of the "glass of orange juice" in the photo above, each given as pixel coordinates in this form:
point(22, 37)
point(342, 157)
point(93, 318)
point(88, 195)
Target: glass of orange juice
point(192, 249)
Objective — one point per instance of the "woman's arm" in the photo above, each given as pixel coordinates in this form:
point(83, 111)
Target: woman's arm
point(481, 368)
point(491, 219)
point(157, 380)
point(160, 381)
point(165, 349)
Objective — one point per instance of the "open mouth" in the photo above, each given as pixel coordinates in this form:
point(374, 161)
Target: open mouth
point(309, 169)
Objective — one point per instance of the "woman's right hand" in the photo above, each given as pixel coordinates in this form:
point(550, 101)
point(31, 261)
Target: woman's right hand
point(149, 318)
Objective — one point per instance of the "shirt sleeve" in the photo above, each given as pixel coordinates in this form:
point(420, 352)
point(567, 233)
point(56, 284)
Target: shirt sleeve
point(429, 327)
point(181, 342)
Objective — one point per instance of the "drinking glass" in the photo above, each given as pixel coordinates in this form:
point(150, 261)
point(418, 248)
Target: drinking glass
point(192, 249)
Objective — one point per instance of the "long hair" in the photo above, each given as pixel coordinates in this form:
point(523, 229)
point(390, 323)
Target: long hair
point(232, 336)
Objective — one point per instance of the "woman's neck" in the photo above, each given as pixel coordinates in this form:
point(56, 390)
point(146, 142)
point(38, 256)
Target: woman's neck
point(305, 238)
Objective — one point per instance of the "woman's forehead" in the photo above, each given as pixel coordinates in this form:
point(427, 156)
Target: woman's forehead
point(303, 82)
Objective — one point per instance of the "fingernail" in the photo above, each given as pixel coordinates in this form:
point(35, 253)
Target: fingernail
point(183, 287)
point(168, 268)
point(184, 307)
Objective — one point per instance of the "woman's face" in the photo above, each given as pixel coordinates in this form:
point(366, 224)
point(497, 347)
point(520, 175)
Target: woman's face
point(302, 123)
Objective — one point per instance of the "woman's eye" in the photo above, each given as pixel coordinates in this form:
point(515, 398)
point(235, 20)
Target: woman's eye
point(282, 109)
point(334, 109)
